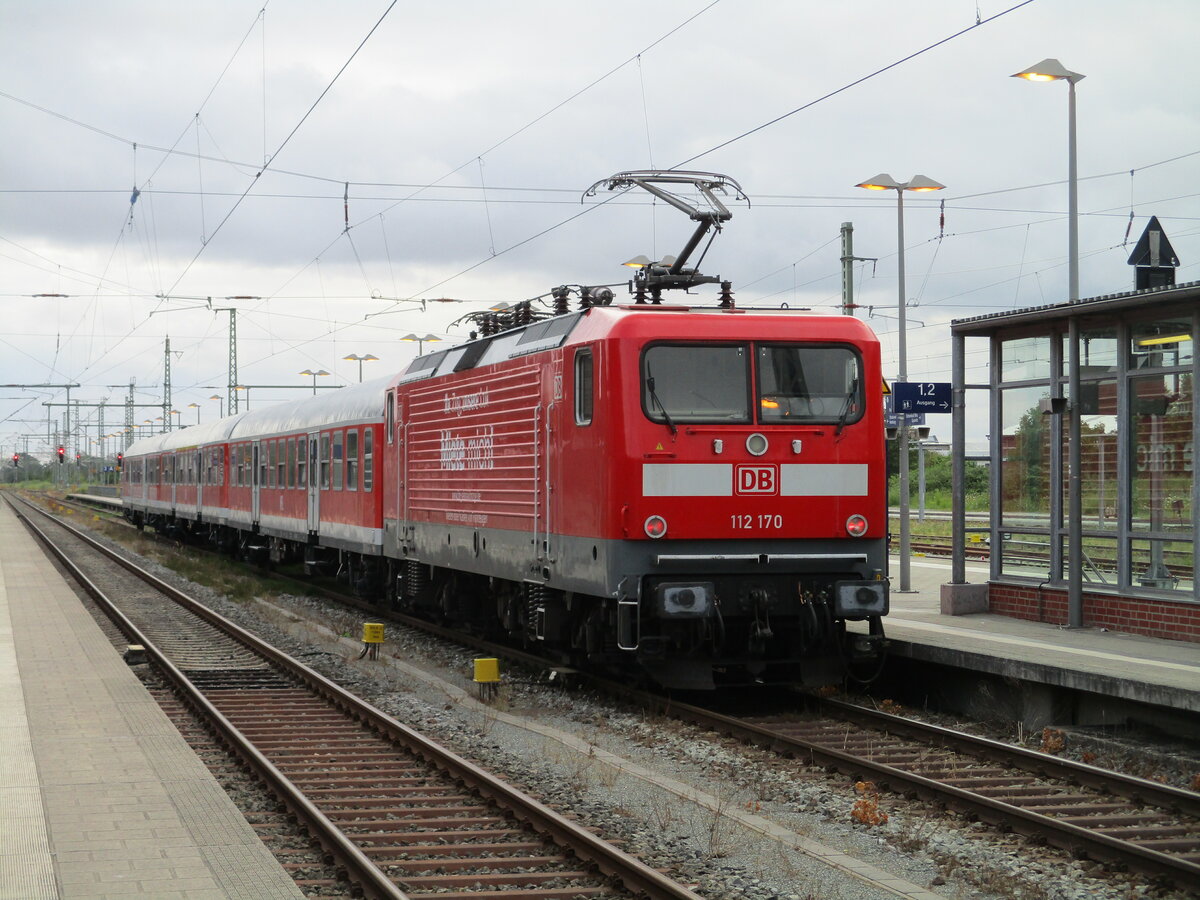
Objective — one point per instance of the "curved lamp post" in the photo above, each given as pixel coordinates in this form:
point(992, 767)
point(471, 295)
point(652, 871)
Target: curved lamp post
point(314, 377)
point(420, 341)
point(354, 357)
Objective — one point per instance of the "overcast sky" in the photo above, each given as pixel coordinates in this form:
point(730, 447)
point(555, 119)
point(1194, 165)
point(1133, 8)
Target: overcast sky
point(465, 133)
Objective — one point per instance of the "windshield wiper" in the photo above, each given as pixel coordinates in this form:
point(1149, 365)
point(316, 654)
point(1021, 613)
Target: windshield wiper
point(658, 403)
point(847, 405)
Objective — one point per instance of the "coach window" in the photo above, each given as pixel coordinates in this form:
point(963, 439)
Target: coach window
point(389, 416)
point(809, 383)
point(301, 462)
point(584, 387)
point(273, 462)
point(696, 383)
point(325, 462)
point(291, 462)
point(352, 460)
point(368, 459)
point(281, 468)
point(338, 439)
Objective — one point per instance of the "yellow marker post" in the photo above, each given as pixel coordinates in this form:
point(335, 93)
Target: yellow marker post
point(372, 638)
point(487, 676)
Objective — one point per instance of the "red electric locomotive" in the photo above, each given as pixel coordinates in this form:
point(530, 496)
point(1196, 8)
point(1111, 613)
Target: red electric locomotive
point(698, 495)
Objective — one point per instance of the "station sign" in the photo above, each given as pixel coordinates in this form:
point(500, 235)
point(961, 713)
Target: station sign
point(921, 396)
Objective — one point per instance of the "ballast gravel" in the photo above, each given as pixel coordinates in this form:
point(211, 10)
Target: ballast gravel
point(732, 816)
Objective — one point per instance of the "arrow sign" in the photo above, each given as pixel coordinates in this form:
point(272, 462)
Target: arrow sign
point(921, 396)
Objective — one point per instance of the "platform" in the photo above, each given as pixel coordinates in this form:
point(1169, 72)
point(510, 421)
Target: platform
point(100, 795)
point(1104, 663)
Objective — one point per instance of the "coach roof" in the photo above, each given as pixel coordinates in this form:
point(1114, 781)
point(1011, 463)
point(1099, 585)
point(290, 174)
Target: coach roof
point(354, 403)
point(192, 436)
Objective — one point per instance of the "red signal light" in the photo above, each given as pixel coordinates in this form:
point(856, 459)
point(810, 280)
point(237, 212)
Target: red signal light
point(62, 454)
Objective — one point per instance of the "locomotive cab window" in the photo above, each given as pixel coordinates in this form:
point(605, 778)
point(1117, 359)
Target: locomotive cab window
point(696, 383)
point(584, 387)
point(809, 383)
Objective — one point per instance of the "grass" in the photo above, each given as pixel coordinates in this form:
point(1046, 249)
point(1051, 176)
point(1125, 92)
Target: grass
point(211, 571)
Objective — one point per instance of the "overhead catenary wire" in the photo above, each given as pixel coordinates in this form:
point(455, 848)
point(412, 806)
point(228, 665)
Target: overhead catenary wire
point(852, 84)
point(299, 124)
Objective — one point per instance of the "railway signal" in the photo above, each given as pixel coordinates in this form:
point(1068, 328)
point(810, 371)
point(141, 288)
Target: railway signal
point(120, 461)
point(62, 454)
point(16, 459)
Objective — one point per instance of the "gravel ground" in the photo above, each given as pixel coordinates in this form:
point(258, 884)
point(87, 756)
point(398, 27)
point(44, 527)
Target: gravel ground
point(735, 821)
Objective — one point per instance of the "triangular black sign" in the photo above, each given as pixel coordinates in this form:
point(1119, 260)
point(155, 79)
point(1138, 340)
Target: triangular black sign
point(1153, 248)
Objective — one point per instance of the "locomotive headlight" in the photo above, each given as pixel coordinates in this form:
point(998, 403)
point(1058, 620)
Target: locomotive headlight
point(856, 526)
point(756, 444)
point(685, 601)
point(656, 527)
point(859, 599)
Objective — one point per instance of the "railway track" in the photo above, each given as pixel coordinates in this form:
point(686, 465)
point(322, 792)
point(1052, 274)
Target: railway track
point(1092, 813)
point(1137, 824)
point(400, 815)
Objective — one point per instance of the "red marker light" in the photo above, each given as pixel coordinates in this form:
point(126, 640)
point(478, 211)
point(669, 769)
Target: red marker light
point(656, 527)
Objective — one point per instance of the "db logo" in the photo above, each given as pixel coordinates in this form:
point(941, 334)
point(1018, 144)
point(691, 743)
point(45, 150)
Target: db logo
point(756, 480)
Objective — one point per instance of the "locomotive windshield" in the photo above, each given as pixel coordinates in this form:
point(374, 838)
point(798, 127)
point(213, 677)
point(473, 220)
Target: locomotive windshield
point(696, 383)
point(809, 383)
point(699, 383)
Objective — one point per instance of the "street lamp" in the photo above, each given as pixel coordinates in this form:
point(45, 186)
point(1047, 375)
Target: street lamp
point(314, 377)
point(242, 387)
point(420, 341)
point(354, 357)
point(196, 407)
point(173, 423)
point(1053, 70)
point(919, 184)
point(221, 401)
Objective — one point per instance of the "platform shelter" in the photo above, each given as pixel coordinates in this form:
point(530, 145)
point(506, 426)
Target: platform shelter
point(1092, 436)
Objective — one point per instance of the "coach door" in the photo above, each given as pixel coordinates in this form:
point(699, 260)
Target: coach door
point(313, 487)
point(255, 481)
point(199, 476)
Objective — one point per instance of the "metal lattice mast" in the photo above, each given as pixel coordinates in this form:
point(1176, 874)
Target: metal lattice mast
point(128, 418)
point(232, 399)
point(166, 405)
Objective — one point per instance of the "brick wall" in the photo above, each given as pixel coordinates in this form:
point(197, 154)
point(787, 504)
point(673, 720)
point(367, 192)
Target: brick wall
point(1172, 619)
